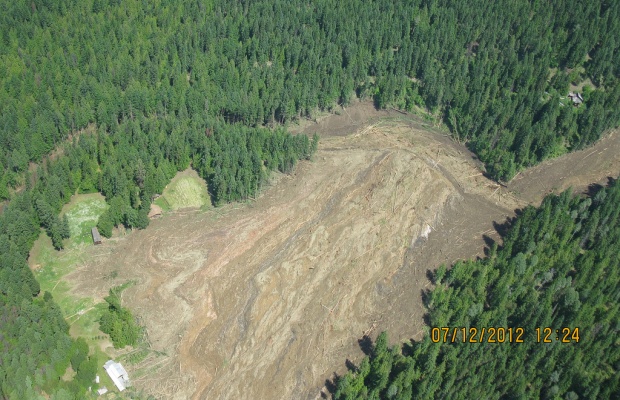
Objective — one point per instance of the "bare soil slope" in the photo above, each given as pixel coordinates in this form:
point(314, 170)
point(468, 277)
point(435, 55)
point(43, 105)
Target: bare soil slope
point(267, 299)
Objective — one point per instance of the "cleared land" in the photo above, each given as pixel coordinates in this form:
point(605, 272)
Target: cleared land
point(267, 299)
point(186, 190)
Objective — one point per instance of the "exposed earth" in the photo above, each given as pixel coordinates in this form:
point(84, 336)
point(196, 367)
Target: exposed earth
point(267, 299)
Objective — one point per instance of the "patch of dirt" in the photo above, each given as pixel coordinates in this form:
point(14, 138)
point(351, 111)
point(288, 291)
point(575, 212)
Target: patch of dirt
point(268, 299)
point(155, 211)
point(68, 375)
point(344, 121)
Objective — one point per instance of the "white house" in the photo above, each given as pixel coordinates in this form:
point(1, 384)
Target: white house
point(117, 374)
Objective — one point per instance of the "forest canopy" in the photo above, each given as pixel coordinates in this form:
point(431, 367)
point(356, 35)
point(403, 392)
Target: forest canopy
point(497, 73)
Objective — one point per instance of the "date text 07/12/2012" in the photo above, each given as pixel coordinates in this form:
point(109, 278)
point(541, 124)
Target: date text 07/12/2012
point(503, 335)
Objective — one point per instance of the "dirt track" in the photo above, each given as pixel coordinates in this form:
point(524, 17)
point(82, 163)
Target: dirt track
point(268, 299)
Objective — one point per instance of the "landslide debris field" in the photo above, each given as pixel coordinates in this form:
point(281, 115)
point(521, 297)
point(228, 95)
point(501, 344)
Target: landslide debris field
point(267, 299)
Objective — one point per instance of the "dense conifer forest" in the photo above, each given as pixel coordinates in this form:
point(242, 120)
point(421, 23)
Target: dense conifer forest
point(116, 96)
point(559, 267)
point(498, 74)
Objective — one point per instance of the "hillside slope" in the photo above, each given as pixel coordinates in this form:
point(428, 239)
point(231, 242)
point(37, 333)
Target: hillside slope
point(266, 299)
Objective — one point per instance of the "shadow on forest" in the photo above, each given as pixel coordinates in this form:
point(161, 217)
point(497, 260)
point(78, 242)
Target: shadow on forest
point(331, 384)
point(502, 230)
point(489, 242)
point(367, 346)
point(594, 188)
point(430, 275)
point(350, 365)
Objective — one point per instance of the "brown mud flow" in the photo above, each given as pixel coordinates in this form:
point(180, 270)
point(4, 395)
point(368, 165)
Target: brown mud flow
point(268, 299)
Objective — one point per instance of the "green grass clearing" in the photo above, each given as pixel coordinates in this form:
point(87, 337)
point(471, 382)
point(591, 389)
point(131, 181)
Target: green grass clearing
point(185, 190)
point(50, 266)
point(83, 212)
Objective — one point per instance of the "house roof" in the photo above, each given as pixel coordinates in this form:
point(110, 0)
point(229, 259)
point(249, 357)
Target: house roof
point(117, 374)
point(577, 98)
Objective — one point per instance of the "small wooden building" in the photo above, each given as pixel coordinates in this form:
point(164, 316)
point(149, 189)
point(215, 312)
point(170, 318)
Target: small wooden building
point(96, 236)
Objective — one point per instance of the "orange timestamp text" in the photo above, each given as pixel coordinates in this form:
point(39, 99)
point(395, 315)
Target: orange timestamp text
point(502, 335)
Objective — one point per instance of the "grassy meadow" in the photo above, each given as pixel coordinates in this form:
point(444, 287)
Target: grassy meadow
point(186, 190)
